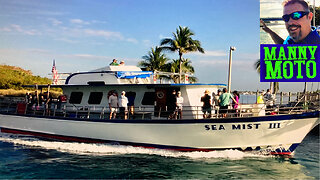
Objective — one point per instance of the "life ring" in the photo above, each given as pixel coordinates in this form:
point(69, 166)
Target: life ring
point(160, 95)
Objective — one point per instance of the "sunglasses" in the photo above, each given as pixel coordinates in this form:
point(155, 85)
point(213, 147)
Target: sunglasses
point(296, 15)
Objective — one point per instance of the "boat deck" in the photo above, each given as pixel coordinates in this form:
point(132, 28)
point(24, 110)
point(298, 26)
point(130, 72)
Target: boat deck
point(148, 112)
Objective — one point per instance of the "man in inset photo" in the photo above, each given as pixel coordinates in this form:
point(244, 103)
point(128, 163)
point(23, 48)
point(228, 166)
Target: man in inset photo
point(297, 18)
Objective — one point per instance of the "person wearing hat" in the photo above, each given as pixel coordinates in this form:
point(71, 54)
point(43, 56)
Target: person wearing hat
point(206, 107)
point(123, 105)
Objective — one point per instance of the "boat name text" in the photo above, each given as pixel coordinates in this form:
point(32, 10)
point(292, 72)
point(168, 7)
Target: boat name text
point(218, 127)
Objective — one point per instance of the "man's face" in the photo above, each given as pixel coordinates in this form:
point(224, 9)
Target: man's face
point(300, 28)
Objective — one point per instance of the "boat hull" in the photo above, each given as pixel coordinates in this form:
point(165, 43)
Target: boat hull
point(274, 134)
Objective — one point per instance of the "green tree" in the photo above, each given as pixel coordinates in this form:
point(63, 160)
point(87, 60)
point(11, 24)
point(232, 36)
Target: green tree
point(186, 67)
point(181, 42)
point(12, 77)
point(274, 86)
point(154, 61)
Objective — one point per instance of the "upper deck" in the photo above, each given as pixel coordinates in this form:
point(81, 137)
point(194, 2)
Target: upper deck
point(111, 75)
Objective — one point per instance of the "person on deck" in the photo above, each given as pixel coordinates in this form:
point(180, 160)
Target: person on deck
point(206, 107)
point(123, 105)
point(171, 104)
point(113, 105)
point(224, 102)
point(260, 99)
point(114, 63)
point(179, 103)
point(235, 105)
point(215, 100)
point(269, 98)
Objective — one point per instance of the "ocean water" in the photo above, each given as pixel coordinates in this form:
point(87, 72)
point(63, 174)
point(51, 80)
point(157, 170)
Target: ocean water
point(29, 157)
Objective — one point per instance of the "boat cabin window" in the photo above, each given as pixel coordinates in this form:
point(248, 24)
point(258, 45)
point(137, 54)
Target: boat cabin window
point(148, 98)
point(95, 98)
point(75, 97)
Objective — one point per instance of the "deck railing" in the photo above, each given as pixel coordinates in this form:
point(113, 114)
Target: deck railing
point(150, 112)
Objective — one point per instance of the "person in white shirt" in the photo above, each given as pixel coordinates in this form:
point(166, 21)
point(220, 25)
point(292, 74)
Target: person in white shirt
point(113, 105)
point(123, 105)
point(179, 103)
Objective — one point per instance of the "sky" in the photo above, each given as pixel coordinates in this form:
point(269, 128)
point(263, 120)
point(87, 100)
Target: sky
point(82, 35)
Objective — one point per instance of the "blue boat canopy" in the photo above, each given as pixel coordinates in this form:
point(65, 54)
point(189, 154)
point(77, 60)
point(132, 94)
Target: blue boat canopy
point(133, 74)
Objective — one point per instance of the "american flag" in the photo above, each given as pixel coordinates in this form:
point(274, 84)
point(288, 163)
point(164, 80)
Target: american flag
point(54, 73)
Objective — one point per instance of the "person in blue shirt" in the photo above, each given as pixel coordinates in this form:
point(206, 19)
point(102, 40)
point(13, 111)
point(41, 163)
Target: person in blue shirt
point(297, 17)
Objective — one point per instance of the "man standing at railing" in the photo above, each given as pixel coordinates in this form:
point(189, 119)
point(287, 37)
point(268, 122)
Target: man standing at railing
point(171, 101)
point(224, 101)
point(113, 105)
point(206, 107)
point(123, 104)
point(269, 98)
point(179, 103)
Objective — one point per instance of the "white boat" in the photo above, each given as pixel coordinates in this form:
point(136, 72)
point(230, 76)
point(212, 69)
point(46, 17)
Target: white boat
point(84, 117)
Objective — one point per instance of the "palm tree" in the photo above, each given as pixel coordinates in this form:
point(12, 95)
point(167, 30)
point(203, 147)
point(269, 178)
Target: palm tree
point(183, 43)
point(274, 86)
point(154, 61)
point(186, 67)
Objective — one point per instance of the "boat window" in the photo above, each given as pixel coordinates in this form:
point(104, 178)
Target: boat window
point(148, 98)
point(75, 97)
point(95, 98)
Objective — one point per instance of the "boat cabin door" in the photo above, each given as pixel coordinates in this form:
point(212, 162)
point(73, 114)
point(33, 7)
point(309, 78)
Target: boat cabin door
point(165, 101)
point(160, 108)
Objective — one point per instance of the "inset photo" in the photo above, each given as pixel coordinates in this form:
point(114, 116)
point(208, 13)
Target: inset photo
point(289, 22)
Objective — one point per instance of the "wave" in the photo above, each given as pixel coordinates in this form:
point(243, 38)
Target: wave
point(107, 149)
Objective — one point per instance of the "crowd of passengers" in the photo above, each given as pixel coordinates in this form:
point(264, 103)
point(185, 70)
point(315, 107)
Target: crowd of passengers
point(41, 101)
point(221, 102)
point(123, 106)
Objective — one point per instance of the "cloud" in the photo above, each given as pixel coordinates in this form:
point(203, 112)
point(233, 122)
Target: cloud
point(102, 33)
point(5, 29)
point(212, 53)
point(67, 40)
point(132, 40)
point(14, 28)
point(98, 22)
point(223, 63)
point(40, 51)
point(163, 37)
point(79, 22)
point(147, 43)
point(54, 21)
point(85, 56)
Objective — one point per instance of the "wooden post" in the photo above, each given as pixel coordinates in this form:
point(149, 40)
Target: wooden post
point(281, 98)
point(289, 100)
point(37, 95)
